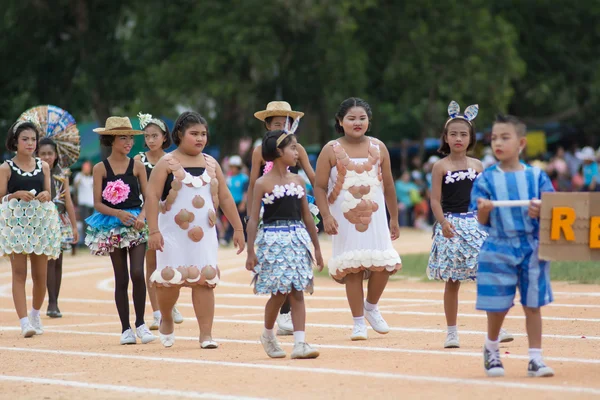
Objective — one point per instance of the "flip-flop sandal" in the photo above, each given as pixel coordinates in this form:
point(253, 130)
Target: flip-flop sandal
point(209, 344)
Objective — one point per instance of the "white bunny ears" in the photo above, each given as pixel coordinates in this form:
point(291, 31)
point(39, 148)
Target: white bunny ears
point(454, 112)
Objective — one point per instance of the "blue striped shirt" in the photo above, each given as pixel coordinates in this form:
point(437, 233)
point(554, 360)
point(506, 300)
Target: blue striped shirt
point(495, 184)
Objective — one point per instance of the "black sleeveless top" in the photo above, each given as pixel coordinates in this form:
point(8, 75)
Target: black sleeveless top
point(22, 180)
point(456, 190)
point(194, 171)
point(133, 200)
point(147, 164)
point(284, 208)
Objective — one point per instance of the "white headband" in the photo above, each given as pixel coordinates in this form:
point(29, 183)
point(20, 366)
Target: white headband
point(146, 119)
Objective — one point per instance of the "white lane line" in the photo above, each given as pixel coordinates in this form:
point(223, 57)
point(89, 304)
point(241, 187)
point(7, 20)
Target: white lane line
point(341, 347)
point(6, 288)
point(483, 382)
point(122, 388)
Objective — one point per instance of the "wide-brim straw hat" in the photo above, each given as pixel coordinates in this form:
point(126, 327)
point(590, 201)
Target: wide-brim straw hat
point(118, 126)
point(278, 109)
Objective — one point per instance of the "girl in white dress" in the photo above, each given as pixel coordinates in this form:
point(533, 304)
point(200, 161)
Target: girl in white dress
point(354, 183)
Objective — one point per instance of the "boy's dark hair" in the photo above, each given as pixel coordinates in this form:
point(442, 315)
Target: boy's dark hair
point(269, 144)
point(49, 142)
point(12, 138)
point(184, 121)
point(519, 125)
point(347, 105)
point(107, 140)
point(166, 135)
point(445, 148)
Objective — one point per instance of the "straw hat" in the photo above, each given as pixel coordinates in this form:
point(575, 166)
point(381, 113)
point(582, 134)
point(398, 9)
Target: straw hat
point(278, 109)
point(118, 126)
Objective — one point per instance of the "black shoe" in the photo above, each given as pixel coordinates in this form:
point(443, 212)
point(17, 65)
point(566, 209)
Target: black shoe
point(492, 364)
point(538, 368)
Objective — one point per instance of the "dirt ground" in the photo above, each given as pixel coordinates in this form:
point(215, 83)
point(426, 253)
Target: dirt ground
point(79, 356)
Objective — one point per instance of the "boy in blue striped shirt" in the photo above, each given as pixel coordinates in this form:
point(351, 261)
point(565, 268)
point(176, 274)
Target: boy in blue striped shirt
point(509, 257)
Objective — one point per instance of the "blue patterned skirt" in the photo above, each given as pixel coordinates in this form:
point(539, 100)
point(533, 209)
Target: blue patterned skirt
point(455, 259)
point(106, 233)
point(284, 258)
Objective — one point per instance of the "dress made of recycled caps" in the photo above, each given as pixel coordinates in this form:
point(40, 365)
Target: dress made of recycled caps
point(28, 227)
point(283, 244)
point(59, 178)
point(186, 220)
point(106, 233)
point(357, 202)
point(455, 259)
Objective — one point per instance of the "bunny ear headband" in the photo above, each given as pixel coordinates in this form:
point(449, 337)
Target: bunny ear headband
point(287, 130)
point(454, 112)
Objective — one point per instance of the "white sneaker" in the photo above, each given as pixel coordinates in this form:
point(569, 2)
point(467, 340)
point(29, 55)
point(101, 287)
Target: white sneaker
point(285, 327)
point(376, 321)
point(272, 347)
point(36, 323)
point(359, 332)
point(505, 337)
point(452, 341)
point(167, 340)
point(303, 351)
point(177, 317)
point(144, 333)
point(27, 331)
point(155, 324)
point(128, 337)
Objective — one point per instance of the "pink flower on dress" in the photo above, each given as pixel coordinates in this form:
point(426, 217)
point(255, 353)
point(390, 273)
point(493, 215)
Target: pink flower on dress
point(116, 192)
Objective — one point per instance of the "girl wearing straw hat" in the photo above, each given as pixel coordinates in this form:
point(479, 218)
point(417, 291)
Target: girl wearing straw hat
point(117, 227)
point(275, 117)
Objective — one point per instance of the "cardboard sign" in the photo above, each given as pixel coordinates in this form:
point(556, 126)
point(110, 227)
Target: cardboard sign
point(570, 227)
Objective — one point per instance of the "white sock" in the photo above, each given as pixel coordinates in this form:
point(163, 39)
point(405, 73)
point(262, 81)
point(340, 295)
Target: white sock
point(492, 345)
point(24, 321)
point(535, 354)
point(369, 306)
point(34, 312)
point(269, 333)
point(299, 337)
point(156, 314)
point(452, 329)
point(359, 320)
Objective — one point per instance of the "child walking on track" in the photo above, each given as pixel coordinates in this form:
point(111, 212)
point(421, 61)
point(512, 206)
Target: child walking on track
point(117, 227)
point(457, 235)
point(509, 256)
point(275, 117)
point(354, 184)
point(282, 261)
point(156, 139)
point(186, 188)
point(29, 224)
point(61, 196)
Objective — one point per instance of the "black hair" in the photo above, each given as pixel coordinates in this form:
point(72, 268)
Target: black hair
point(268, 122)
point(49, 142)
point(107, 140)
point(347, 105)
point(445, 148)
point(184, 121)
point(269, 144)
point(166, 135)
point(12, 138)
point(519, 125)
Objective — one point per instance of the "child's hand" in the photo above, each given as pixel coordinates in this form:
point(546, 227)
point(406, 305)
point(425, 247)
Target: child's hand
point(330, 225)
point(484, 205)
point(43, 196)
point(24, 195)
point(251, 261)
point(156, 241)
point(394, 229)
point(126, 218)
point(139, 223)
point(534, 209)
point(448, 229)
point(319, 259)
point(239, 241)
point(75, 236)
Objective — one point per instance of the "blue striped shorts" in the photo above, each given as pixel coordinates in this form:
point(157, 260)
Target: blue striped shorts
point(506, 264)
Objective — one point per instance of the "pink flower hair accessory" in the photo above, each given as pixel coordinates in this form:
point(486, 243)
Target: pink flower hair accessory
point(269, 166)
point(116, 192)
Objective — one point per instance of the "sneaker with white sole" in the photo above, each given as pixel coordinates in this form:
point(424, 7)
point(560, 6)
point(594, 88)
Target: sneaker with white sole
point(285, 327)
point(452, 341)
point(376, 321)
point(537, 368)
point(155, 324)
point(27, 330)
point(492, 364)
point(144, 334)
point(36, 323)
point(177, 317)
point(128, 337)
point(505, 336)
point(359, 332)
point(272, 347)
point(304, 351)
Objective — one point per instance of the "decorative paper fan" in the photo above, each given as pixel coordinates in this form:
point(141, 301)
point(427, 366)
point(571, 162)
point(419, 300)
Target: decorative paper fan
point(60, 126)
